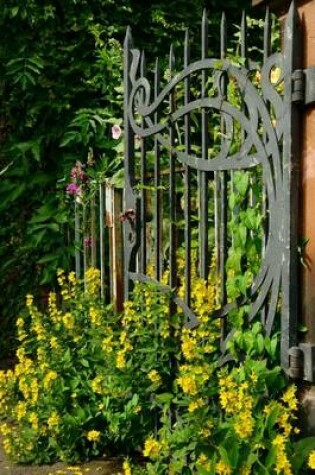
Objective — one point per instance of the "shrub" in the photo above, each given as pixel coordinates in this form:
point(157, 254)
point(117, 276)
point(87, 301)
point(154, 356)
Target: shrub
point(88, 382)
point(63, 389)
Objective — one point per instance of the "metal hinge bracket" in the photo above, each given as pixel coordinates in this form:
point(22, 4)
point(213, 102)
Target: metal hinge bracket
point(304, 86)
point(302, 362)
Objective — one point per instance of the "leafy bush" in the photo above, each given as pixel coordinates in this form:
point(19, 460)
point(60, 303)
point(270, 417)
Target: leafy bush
point(88, 383)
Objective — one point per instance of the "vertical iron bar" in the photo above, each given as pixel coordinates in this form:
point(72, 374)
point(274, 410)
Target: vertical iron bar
point(172, 199)
point(203, 176)
point(129, 198)
point(101, 224)
point(92, 241)
point(266, 53)
point(85, 264)
point(157, 185)
point(223, 186)
point(267, 36)
point(244, 38)
point(187, 179)
point(292, 61)
point(158, 207)
point(77, 240)
point(143, 172)
point(172, 189)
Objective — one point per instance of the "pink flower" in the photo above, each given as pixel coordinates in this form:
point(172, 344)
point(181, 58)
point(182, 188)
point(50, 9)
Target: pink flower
point(116, 132)
point(73, 189)
point(88, 242)
point(77, 172)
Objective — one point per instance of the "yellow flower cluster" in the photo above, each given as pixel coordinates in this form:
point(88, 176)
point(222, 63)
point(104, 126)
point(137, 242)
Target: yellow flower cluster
point(127, 468)
point(311, 460)
point(237, 401)
point(53, 421)
point(95, 316)
point(93, 435)
point(223, 468)
point(283, 465)
point(93, 281)
point(125, 347)
point(96, 385)
point(154, 376)
point(152, 448)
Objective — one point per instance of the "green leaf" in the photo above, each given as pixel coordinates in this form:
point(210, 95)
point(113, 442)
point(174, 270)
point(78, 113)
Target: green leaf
point(302, 449)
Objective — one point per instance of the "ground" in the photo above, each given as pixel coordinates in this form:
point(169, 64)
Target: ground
point(96, 467)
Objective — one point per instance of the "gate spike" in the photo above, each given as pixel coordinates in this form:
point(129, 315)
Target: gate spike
point(143, 64)
point(186, 48)
point(128, 43)
point(293, 17)
point(223, 29)
point(243, 36)
point(267, 35)
point(204, 34)
point(172, 58)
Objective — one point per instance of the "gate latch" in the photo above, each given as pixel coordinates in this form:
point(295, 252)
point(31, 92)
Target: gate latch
point(304, 86)
point(302, 362)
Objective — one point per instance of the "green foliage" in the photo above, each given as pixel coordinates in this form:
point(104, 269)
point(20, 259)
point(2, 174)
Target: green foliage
point(61, 75)
point(86, 384)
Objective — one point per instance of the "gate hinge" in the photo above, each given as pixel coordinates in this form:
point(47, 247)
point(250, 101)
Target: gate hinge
point(304, 86)
point(302, 362)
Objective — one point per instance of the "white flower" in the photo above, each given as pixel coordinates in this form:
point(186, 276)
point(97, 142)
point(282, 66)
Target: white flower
point(116, 132)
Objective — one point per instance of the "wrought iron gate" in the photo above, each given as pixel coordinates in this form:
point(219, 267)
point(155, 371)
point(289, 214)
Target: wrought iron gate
point(192, 138)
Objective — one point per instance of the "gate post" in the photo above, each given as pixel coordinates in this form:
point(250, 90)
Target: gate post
point(307, 223)
point(306, 213)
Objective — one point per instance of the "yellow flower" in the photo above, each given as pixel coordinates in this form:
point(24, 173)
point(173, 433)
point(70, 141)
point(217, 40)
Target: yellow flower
point(107, 344)
point(96, 385)
point(29, 300)
point(290, 399)
point(93, 435)
point(33, 418)
point(194, 405)
point(20, 410)
point(311, 459)
point(283, 465)
point(284, 423)
point(127, 468)
point(154, 376)
point(188, 384)
point(68, 321)
point(20, 322)
point(245, 425)
point(50, 376)
point(204, 462)
point(95, 316)
point(221, 468)
point(120, 360)
point(53, 342)
point(93, 281)
point(53, 421)
point(5, 429)
point(151, 448)
point(72, 278)
point(189, 345)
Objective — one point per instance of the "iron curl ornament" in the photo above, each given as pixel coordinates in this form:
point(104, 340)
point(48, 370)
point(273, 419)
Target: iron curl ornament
point(264, 119)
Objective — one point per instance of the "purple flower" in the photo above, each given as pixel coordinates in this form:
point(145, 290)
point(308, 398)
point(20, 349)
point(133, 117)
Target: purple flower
point(116, 132)
point(73, 189)
point(88, 241)
point(77, 172)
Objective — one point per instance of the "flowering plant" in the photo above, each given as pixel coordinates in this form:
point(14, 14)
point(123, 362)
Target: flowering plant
point(55, 403)
point(87, 383)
